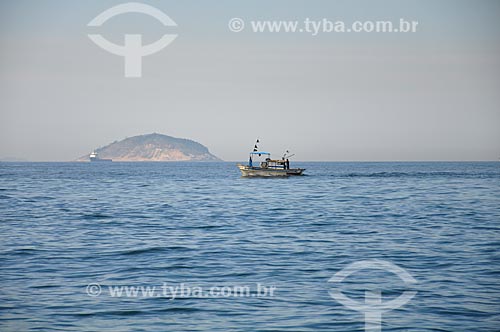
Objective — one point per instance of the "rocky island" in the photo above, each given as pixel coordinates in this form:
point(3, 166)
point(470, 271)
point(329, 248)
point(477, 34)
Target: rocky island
point(154, 147)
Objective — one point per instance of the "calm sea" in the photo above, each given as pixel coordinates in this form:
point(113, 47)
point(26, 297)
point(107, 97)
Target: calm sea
point(73, 235)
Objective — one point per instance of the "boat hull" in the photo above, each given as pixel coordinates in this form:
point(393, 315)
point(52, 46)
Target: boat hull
point(295, 171)
point(96, 160)
point(248, 171)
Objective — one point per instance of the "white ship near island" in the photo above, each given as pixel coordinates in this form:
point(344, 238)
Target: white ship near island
point(268, 167)
point(93, 157)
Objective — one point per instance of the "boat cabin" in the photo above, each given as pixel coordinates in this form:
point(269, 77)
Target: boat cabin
point(267, 163)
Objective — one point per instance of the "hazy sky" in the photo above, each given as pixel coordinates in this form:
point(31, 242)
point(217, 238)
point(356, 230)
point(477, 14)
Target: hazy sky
point(429, 95)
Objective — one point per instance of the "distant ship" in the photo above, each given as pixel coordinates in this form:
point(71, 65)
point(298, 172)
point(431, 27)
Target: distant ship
point(93, 157)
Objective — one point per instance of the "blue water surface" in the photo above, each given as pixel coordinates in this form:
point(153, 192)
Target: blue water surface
point(64, 226)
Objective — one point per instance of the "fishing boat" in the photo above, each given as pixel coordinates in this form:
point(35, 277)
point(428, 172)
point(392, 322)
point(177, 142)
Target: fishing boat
point(268, 167)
